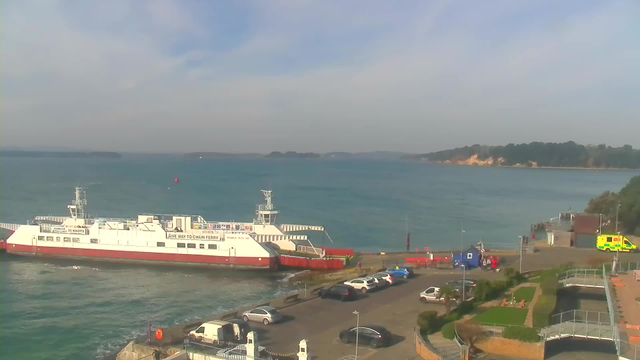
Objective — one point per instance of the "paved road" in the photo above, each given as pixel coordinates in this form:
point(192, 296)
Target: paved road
point(320, 321)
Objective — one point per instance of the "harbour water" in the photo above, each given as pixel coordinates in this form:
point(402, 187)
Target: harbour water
point(83, 310)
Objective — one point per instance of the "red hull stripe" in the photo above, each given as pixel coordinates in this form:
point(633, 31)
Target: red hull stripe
point(251, 262)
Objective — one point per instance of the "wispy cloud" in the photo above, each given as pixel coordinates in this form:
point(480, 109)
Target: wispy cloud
point(316, 76)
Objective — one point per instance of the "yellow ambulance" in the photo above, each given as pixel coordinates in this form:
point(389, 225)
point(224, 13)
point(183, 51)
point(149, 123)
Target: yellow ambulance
point(615, 243)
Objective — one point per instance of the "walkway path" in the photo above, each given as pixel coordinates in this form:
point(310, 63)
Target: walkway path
point(529, 320)
point(448, 349)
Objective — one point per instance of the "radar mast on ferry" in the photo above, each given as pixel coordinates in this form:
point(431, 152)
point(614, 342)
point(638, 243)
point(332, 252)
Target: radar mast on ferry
point(266, 214)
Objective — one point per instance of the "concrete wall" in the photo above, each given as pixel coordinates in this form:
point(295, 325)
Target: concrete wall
point(135, 351)
point(508, 347)
point(423, 350)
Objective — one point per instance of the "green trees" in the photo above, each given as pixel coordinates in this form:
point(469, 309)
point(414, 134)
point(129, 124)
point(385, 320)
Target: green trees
point(449, 295)
point(629, 211)
point(567, 154)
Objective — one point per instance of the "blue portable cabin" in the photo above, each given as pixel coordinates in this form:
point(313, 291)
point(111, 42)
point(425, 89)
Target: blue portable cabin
point(471, 258)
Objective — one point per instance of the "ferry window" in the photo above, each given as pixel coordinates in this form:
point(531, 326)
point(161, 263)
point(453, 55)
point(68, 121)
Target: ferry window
point(66, 239)
point(180, 245)
point(160, 244)
point(191, 246)
point(201, 246)
point(41, 238)
point(213, 246)
point(94, 241)
point(49, 238)
point(76, 239)
point(57, 238)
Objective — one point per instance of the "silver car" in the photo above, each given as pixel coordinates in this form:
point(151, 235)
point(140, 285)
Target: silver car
point(264, 314)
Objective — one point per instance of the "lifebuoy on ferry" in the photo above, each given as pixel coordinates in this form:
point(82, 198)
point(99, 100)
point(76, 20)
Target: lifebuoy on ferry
point(159, 334)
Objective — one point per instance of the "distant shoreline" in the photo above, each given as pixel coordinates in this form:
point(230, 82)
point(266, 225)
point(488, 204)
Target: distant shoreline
point(530, 167)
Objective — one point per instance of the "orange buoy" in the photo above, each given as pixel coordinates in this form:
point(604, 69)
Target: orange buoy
point(159, 334)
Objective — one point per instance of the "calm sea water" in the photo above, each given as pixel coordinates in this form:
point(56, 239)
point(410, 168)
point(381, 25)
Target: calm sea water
point(61, 309)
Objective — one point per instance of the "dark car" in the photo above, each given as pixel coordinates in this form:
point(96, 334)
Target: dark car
point(467, 282)
point(340, 291)
point(375, 336)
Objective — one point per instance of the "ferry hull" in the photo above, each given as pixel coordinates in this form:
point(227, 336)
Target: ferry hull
point(254, 263)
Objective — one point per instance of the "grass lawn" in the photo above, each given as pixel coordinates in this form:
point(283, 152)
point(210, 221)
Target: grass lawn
point(537, 279)
point(525, 293)
point(502, 315)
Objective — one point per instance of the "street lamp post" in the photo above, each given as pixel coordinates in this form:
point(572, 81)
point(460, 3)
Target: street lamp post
point(521, 254)
point(357, 314)
point(464, 277)
point(617, 208)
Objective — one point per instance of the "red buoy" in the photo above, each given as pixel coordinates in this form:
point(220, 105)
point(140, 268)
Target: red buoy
point(176, 180)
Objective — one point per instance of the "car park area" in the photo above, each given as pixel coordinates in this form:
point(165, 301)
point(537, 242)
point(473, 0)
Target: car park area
point(321, 321)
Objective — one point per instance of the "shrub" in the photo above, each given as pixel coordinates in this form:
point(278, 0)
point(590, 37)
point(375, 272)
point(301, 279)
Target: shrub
point(521, 333)
point(483, 291)
point(549, 285)
point(465, 307)
point(449, 330)
point(497, 288)
point(454, 316)
point(543, 309)
point(427, 321)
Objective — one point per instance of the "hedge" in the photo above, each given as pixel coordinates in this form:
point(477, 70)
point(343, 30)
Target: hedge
point(449, 330)
point(520, 333)
point(543, 309)
point(427, 321)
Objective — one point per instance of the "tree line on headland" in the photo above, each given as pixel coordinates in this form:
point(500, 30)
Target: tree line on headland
point(539, 154)
point(627, 202)
point(62, 154)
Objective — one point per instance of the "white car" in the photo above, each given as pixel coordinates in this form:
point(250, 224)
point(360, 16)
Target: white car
point(432, 294)
point(388, 277)
point(362, 284)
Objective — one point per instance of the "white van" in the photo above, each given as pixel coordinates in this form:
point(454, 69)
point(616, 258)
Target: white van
point(213, 332)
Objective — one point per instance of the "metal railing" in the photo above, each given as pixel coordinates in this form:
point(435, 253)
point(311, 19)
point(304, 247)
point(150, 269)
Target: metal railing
point(613, 316)
point(582, 277)
point(464, 348)
point(624, 267)
point(582, 316)
point(8, 226)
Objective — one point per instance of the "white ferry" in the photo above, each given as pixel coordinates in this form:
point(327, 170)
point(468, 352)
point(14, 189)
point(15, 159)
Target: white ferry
point(178, 239)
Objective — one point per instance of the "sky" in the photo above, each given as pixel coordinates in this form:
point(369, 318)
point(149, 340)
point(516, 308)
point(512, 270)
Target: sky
point(301, 75)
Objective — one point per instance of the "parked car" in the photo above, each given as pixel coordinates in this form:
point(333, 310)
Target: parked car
point(264, 314)
point(380, 281)
point(467, 282)
point(362, 284)
point(340, 291)
point(375, 336)
point(213, 332)
point(432, 294)
point(391, 280)
point(403, 272)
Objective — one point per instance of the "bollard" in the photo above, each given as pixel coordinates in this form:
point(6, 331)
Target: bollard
point(252, 348)
point(303, 350)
